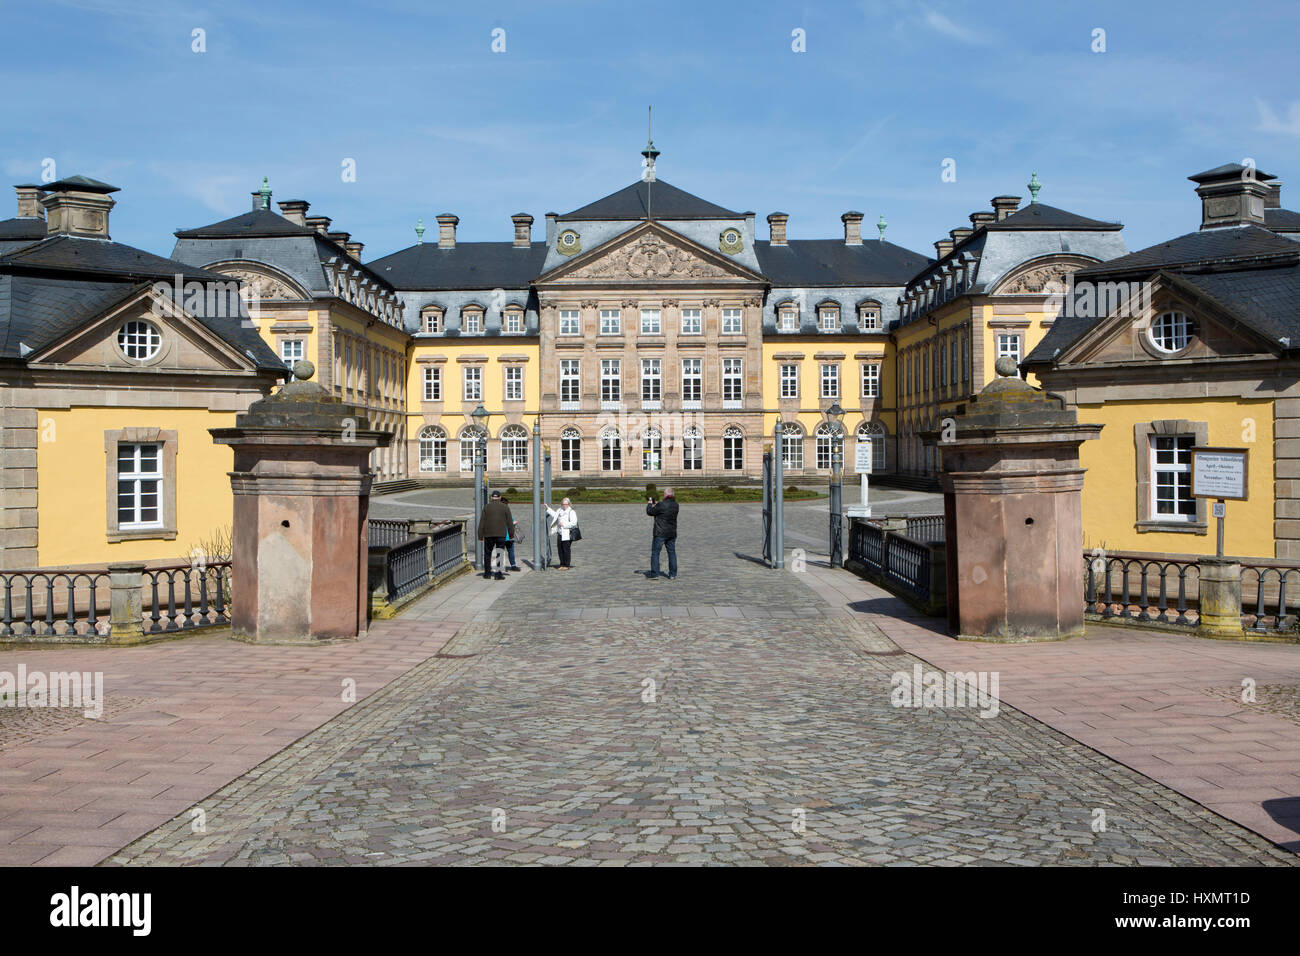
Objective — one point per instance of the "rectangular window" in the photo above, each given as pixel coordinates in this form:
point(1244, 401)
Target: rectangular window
point(789, 320)
point(870, 380)
point(611, 386)
point(1009, 345)
point(733, 385)
point(291, 351)
point(692, 453)
point(733, 451)
point(1171, 478)
point(611, 453)
point(570, 385)
point(732, 324)
point(651, 382)
point(514, 383)
point(691, 324)
point(828, 320)
point(870, 319)
point(692, 382)
point(611, 322)
point(943, 365)
point(830, 381)
point(965, 360)
point(432, 384)
point(473, 383)
point(472, 323)
point(792, 450)
point(433, 321)
point(139, 486)
point(651, 451)
point(789, 381)
point(650, 322)
point(514, 323)
point(569, 322)
point(570, 454)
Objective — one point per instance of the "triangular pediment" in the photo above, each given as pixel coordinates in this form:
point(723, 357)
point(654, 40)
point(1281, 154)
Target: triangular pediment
point(183, 343)
point(1124, 335)
point(650, 253)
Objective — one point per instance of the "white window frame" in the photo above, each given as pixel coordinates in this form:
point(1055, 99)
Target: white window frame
point(652, 322)
point(432, 449)
point(789, 379)
point(870, 379)
point(652, 451)
point(514, 323)
point(1182, 478)
point(570, 322)
point(611, 451)
point(788, 319)
point(733, 322)
point(570, 450)
point(828, 319)
point(140, 341)
point(733, 383)
point(143, 481)
point(432, 321)
point(1009, 343)
point(829, 377)
point(611, 383)
point(611, 322)
point(570, 384)
point(692, 322)
point(692, 383)
point(471, 322)
point(733, 449)
point(792, 447)
point(432, 383)
point(514, 448)
point(472, 383)
point(513, 383)
point(297, 346)
point(1172, 326)
point(652, 383)
point(692, 449)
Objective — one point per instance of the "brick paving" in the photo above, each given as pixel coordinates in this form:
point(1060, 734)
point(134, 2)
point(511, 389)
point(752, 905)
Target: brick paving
point(531, 738)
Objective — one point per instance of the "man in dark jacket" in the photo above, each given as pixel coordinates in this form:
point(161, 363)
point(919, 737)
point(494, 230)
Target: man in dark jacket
point(493, 527)
point(665, 534)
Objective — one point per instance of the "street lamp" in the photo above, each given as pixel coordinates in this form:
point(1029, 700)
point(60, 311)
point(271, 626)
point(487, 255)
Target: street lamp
point(480, 416)
point(835, 419)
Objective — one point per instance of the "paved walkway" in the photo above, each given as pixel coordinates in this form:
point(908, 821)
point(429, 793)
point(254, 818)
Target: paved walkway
point(735, 715)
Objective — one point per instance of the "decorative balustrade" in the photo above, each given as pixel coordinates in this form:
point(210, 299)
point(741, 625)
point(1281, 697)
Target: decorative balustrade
point(908, 567)
point(388, 534)
point(400, 571)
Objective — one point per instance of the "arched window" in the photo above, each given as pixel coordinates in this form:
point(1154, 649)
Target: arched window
point(472, 438)
point(570, 449)
point(514, 448)
point(433, 449)
point(611, 450)
point(826, 434)
point(792, 445)
point(692, 449)
point(875, 433)
point(733, 448)
point(652, 447)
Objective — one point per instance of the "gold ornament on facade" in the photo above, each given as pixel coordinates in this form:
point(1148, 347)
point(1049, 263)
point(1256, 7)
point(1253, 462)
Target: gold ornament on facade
point(730, 241)
point(569, 243)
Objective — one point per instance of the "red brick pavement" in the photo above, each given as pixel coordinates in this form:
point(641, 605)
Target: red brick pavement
point(215, 709)
point(1141, 697)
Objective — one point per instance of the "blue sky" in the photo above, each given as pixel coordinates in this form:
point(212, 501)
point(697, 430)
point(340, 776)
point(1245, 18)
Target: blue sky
point(436, 121)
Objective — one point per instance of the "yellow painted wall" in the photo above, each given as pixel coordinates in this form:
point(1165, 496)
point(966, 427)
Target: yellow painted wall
point(493, 376)
point(1109, 487)
point(72, 493)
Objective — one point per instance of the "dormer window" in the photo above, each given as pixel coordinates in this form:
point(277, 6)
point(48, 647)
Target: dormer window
point(789, 319)
point(1171, 332)
point(431, 319)
point(514, 322)
point(471, 321)
point(828, 318)
point(869, 316)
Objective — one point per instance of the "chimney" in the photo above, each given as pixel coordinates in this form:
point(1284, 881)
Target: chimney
point(1274, 198)
point(354, 249)
point(980, 219)
point(776, 227)
point(320, 223)
point(78, 206)
point(295, 210)
point(959, 234)
point(1004, 206)
point(29, 201)
point(523, 230)
point(341, 238)
point(551, 219)
point(1233, 195)
point(447, 230)
point(942, 247)
point(852, 228)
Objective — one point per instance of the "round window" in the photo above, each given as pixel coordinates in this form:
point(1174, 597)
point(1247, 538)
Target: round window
point(139, 341)
point(568, 238)
point(1170, 331)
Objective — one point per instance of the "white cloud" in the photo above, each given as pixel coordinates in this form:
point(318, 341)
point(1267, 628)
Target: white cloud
point(1269, 122)
point(940, 24)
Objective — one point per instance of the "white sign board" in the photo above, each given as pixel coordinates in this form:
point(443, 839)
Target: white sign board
point(863, 455)
point(1219, 473)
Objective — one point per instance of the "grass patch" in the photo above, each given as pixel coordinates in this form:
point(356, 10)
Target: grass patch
point(599, 496)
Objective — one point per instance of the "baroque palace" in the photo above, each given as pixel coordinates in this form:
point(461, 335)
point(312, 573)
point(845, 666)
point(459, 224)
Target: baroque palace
point(652, 336)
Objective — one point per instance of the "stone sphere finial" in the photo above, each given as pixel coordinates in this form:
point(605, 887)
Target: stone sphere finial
point(1006, 366)
point(304, 370)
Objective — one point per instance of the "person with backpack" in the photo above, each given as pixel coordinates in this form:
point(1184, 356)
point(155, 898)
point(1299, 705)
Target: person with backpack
point(512, 535)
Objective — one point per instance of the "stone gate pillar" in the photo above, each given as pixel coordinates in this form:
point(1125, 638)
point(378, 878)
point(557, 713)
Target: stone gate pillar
point(301, 483)
point(1013, 509)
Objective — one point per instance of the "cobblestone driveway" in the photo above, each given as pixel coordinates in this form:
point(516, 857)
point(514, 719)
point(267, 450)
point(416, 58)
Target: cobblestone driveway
point(770, 739)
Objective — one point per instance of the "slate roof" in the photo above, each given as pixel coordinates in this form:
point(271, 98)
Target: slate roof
point(1203, 246)
point(829, 262)
point(25, 228)
point(1039, 215)
point(470, 265)
point(38, 310)
point(1279, 220)
point(662, 199)
point(1228, 171)
point(256, 222)
point(98, 257)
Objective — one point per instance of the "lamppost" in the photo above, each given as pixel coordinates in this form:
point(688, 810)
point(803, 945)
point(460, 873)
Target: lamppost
point(835, 418)
point(778, 496)
point(480, 416)
point(538, 529)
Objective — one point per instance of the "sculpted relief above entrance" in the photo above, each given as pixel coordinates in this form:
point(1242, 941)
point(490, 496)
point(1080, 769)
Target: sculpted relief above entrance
point(650, 257)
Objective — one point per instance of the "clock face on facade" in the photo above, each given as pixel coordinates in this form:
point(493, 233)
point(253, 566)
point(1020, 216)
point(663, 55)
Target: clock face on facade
point(730, 241)
point(569, 243)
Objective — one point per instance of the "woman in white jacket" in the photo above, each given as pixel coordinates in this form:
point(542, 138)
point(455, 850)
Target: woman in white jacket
point(563, 522)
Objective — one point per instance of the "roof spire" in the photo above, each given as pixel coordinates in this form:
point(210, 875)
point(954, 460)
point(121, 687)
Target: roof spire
point(265, 193)
point(650, 154)
point(1034, 186)
point(882, 226)
point(419, 232)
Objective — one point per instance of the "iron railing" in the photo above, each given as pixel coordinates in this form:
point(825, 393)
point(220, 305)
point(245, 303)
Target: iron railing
point(186, 596)
point(926, 528)
point(406, 567)
point(54, 603)
point(893, 557)
point(384, 533)
point(1263, 589)
point(1149, 589)
point(448, 552)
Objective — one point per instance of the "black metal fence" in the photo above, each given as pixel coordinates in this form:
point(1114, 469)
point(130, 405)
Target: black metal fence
point(899, 562)
point(187, 596)
point(54, 603)
point(417, 562)
point(927, 528)
point(384, 533)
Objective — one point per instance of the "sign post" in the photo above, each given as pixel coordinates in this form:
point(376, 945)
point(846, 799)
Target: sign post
point(862, 463)
point(1221, 474)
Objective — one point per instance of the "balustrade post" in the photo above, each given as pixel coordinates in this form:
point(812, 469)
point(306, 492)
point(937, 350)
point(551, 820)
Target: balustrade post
point(126, 608)
point(1219, 597)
